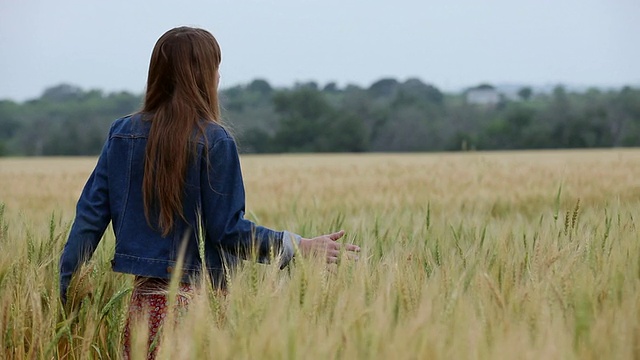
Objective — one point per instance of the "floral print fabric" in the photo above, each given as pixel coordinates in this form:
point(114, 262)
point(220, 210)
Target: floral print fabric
point(150, 300)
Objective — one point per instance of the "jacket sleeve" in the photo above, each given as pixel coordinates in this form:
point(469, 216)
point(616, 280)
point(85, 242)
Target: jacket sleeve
point(223, 206)
point(92, 217)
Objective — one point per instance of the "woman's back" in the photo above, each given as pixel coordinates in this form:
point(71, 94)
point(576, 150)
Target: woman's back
point(213, 207)
point(169, 179)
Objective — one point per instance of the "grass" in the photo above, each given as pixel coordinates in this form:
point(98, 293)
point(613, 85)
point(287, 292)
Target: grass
point(478, 255)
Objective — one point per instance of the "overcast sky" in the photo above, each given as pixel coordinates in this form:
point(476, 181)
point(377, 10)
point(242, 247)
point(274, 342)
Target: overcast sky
point(451, 43)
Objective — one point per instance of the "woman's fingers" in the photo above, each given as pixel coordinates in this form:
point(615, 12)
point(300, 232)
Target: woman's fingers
point(328, 245)
point(333, 253)
point(353, 256)
point(333, 249)
point(337, 235)
point(332, 260)
point(351, 247)
point(346, 247)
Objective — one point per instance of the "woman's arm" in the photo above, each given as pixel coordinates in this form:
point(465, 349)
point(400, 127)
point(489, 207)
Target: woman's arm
point(224, 207)
point(223, 202)
point(92, 217)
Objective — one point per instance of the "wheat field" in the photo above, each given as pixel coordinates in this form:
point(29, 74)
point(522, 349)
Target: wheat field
point(506, 255)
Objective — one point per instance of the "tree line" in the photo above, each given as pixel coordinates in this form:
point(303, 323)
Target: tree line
point(388, 116)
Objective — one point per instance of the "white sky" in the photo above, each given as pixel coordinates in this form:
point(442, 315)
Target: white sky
point(451, 44)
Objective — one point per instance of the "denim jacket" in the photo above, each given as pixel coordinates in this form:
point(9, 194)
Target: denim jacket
point(213, 203)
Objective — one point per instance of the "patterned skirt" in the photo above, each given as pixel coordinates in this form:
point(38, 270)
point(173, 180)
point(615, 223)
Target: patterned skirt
point(149, 300)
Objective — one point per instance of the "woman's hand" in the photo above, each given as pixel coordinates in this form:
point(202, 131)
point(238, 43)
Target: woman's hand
point(326, 245)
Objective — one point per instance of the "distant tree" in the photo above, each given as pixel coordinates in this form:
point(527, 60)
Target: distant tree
point(331, 87)
point(308, 123)
point(260, 86)
point(62, 92)
point(124, 102)
point(560, 113)
point(255, 140)
point(311, 85)
point(485, 86)
point(462, 141)
point(232, 98)
point(387, 116)
point(344, 133)
point(405, 130)
point(518, 118)
point(383, 88)
point(525, 93)
point(352, 88)
point(302, 115)
point(414, 91)
point(9, 118)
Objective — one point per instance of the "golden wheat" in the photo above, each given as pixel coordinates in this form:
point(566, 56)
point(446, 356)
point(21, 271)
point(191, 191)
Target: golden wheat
point(470, 255)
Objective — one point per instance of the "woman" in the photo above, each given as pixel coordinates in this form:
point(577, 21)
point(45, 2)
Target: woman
point(170, 175)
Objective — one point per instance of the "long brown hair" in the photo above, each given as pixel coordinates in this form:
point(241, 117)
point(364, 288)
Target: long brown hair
point(181, 94)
